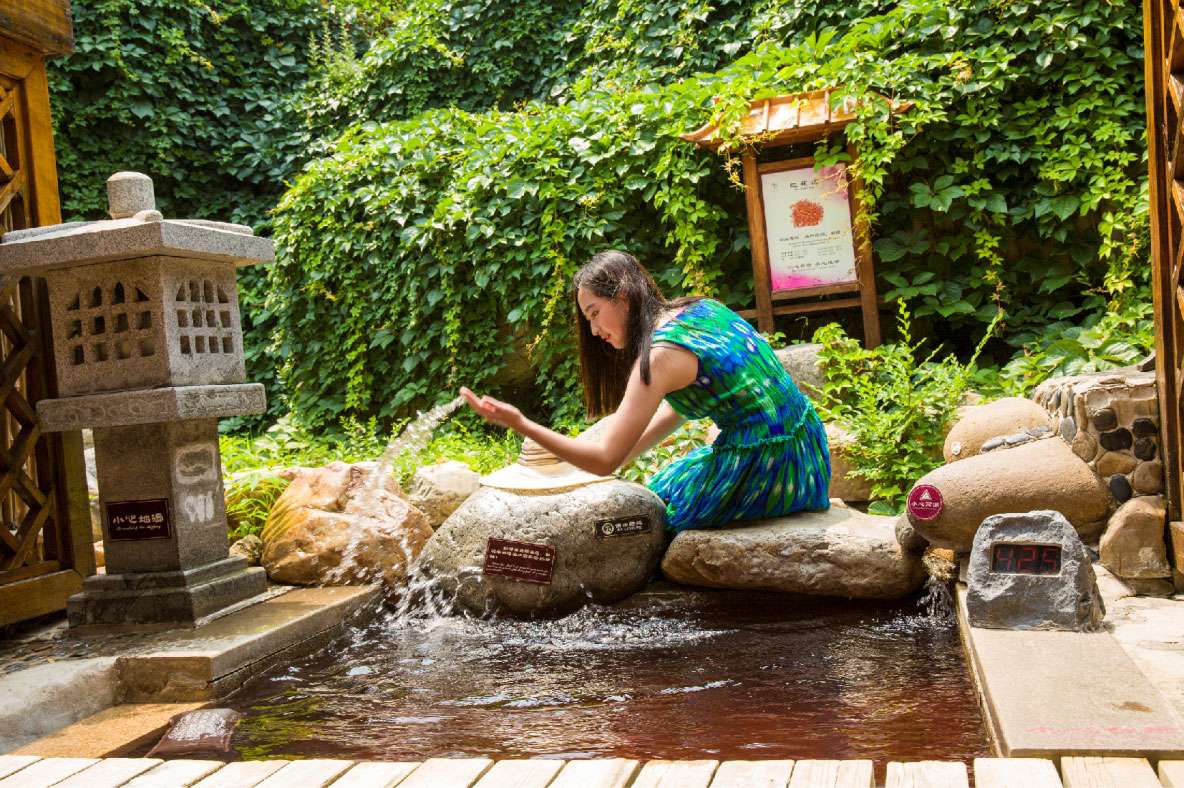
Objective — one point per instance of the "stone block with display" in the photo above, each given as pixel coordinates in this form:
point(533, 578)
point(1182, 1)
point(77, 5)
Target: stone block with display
point(148, 351)
point(1030, 570)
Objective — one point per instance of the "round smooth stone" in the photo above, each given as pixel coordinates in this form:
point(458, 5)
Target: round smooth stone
point(1120, 488)
point(1105, 419)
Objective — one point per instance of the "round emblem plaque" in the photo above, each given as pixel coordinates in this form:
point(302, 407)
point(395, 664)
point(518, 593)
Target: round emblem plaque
point(925, 502)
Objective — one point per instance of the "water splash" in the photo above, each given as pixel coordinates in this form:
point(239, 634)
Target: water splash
point(937, 601)
point(369, 506)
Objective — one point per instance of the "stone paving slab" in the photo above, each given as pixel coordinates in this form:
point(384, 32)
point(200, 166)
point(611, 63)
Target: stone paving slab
point(1053, 694)
point(113, 731)
point(199, 664)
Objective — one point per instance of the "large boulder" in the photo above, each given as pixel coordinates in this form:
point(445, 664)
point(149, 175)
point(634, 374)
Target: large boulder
point(980, 423)
point(1043, 474)
point(839, 552)
point(336, 526)
point(607, 539)
point(843, 484)
point(439, 490)
point(803, 365)
point(1133, 546)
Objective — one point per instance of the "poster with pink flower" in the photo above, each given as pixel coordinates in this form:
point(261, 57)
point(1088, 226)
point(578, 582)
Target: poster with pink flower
point(808, 224)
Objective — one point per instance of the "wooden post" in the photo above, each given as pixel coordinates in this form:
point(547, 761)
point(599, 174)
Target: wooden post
point(762, 281)
point(865, 265)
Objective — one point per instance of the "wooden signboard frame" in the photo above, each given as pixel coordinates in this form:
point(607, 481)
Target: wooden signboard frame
point(770, 304)
point(802, 118)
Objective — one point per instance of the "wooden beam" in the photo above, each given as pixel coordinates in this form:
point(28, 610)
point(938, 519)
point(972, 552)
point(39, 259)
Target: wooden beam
point(45, 25)
point(758, 240)
point(37, 596)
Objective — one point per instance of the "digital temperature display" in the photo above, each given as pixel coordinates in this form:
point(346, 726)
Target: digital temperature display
point(1026, 559)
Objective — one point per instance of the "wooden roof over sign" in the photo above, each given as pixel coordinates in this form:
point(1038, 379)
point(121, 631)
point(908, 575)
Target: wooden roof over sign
point(798, 117)
point(44, 25)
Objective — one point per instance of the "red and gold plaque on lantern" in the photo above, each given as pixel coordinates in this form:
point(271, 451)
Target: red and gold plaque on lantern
point(808, 224)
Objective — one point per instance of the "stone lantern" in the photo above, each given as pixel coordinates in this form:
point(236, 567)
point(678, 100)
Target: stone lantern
point(148, 353)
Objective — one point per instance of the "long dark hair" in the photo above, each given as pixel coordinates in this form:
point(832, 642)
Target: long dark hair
point(604, 369)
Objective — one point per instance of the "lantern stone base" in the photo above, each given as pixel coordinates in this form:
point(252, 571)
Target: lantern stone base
point(178, 598)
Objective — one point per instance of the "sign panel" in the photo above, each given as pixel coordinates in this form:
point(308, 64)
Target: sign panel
point(808, 225)
point(623, 526)
point(524, 561)
point(137, 520)
point(1026, 559)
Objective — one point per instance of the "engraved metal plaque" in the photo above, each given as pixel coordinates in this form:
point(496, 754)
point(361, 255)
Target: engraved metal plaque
point(524, 561)
point(623, 526)
point(137, 520)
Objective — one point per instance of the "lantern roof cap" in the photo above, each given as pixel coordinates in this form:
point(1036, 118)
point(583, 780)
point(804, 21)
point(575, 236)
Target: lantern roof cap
point(135, 230)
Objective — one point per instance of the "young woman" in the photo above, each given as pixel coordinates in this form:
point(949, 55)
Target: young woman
point(654, 363)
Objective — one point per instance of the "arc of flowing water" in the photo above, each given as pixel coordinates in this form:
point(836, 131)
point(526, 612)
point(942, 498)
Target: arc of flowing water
point(413, 437)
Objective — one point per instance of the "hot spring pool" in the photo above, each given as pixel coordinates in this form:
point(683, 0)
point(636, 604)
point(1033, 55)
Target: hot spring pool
point(672, 673)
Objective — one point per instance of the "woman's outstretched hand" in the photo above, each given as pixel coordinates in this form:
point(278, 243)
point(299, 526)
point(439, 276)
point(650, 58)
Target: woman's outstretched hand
point(495, 411)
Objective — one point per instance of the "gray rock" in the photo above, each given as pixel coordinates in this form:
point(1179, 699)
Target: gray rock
point(589, 566)
point(1148, 478)
point(1144, 427)
point(1039, 431)
point(839, 552)
point(993, 443)
point(1115, 440)
point(977, 427)
point(439, 490)
point(1042, 473)
point(1104, 419)
point(1068, 429)
point(1133, 545)
point(1003, 600)
point(843, 483)
point(802, 364)
point(1120, 488)
point(1017, 438)
point(249, 547)
point(907, 536)
point(1145, 448)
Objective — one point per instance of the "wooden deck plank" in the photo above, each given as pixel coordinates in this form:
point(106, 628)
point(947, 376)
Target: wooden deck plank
point(927, 774)
point(676, 774)
point(597, 773)
point(14, 763)
point(1008, 772)
point(241, 774)
point(312, 773)
point(376, 774)
point(447, 773)
point(832, 774)
point(46, 771)
point(110, 773)
point(180, 773)
point(752, 774)
point(1086, 772)
point(516, 773)
point(1171, 774)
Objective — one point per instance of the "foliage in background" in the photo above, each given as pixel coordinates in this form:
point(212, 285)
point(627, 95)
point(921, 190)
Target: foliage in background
point(201, 96)
point(205, 97)
point(894, 403)
point(429, 252)
point(251, 462)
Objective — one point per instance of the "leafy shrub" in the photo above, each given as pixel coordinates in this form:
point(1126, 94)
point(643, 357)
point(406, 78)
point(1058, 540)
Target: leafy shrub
point(428, 252)
point(894, 403)
point(1104, 340)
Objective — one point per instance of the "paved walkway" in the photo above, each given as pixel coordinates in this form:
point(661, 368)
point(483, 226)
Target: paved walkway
point(33, 772)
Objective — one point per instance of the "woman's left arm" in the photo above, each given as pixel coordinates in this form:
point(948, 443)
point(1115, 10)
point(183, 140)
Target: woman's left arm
point(670, 370)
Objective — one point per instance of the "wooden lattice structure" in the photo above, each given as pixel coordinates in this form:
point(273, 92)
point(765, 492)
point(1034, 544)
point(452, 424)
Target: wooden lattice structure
point(45, 545)
point(1163, 29)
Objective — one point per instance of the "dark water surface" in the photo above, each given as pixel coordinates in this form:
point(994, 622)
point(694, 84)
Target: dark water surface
point(669, 674)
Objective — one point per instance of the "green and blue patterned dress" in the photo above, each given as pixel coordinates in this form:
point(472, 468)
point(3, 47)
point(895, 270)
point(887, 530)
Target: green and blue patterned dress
point(771, 456)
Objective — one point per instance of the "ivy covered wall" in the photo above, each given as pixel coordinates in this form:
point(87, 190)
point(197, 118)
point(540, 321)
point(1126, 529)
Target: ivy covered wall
point(449, 163)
